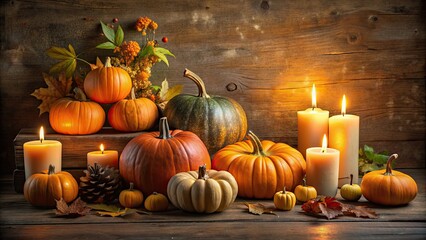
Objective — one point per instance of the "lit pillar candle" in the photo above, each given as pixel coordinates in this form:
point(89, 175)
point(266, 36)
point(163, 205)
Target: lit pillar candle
point(39, 154)
point(344, 136)
point(312, 124)
point(103, 158)
point(322, 169)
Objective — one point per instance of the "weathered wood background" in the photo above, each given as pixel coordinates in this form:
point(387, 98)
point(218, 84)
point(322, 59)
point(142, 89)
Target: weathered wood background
point(265, 54)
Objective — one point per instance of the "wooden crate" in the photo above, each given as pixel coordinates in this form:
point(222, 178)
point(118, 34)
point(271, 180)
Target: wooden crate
point(74, 149)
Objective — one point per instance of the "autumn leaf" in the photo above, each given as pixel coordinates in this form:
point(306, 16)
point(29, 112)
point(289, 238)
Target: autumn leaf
point(98, 64)
point(76, 209)
point(259, 209)
point(56, 88)
point(358, 211)
point(111, 210)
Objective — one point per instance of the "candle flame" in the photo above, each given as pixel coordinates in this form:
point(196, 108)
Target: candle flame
point(344, 105)
point(41, 134)
point(314, 97)
point(324, 144)
point(102, 148)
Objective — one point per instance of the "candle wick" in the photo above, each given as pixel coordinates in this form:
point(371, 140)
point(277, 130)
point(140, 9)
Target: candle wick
point(41, 140)
point(102, 151)
point(343, 114)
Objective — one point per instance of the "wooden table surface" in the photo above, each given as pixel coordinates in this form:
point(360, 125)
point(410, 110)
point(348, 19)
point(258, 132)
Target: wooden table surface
point(19, 220)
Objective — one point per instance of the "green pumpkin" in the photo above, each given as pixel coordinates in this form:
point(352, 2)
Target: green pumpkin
point(218, 121)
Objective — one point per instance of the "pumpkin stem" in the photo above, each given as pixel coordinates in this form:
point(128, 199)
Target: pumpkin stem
point(108, 62)
point(164, 129)
point(284, 190)
point(304, 181)
point(132, 185)
point(202, 172)
point(132, 94)
point(79, 94)
point(197, 80)
point(257, 145)
point(389, 164)
point(51, 169)
point(352, 178)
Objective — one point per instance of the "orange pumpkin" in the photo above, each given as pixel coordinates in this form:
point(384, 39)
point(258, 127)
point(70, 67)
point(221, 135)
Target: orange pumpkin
point(130, 198)
point(107, 84)
point(42, 189)
point(136, 114)
point(151, 159)
point(74, 117)
point(388, 187)
point(261, 168)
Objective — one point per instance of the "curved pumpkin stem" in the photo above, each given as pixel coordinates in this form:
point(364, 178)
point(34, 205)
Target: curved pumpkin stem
point(284, 190)
point(132, 94)
point(51, 170)
point(202, 172)
point(389, 164)
point(257, 145)
point(164, 129)
point(197, 80)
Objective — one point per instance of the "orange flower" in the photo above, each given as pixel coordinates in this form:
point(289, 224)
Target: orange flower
point(144, 23)
point(128, 51)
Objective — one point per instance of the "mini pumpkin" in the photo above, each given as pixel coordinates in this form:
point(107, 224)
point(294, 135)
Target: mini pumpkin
point(284, 200)
point(76, 117)
point(156, 202)
point(107, 84)
point(132, 115)
point(304, 193)
point(203, 191)
point(261, 168)
point(42, 189)
point(130, 198)
point(151, 159)
point(388, 187)
point(351, 191)
point(217, 120)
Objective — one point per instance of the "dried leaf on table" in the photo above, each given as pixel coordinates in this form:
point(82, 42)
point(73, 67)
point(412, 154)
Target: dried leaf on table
point(259, 209)
point(331, 208)
point(119, 213)
point(56, 88)
point(359, 211)
point(76, 209)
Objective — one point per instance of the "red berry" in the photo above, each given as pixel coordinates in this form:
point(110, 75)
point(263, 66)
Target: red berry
point(165, 39)
point(115, 20)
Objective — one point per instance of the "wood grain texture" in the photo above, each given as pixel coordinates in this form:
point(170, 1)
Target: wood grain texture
point(268, 53)
point(19, 220)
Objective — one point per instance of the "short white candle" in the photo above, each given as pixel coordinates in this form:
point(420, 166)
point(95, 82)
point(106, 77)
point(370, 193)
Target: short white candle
point(322, 169)
point(39, 154)
point(103, 158)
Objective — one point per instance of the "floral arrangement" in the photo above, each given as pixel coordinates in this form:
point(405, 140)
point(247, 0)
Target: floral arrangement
point(136, 58)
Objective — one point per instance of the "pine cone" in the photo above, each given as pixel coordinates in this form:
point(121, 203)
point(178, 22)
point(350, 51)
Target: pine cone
point(100, 185)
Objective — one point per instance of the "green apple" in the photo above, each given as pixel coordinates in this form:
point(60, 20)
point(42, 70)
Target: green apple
point(351, 192)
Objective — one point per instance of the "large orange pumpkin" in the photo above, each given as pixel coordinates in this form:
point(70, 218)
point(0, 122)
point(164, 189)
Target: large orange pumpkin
point(261, 168)
point(42, 189)
point(151, 159)
point(132, 115)
point(107, 84)
point(388, 187)
point(74, 117)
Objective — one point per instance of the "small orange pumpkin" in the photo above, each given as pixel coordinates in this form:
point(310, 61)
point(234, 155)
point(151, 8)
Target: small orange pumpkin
point(130, 198)
point(135, 114)
point(304, 192)
point(107, 84)
point(42, 189)
point(156, 202)
point(388, 187)
point(75, 117)
point(284, 200)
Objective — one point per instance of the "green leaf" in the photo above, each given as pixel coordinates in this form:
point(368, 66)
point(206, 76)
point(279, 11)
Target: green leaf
point(146, 51)
point(60, 53)
point(155, 88)
point(119, 36)
point(108, 32)
point(72, 51)
point(164, 51)
point(162, 57)
point(61, 66)
point(368, 151)
point(380, 158)
point(106, 45)
point(71, 68)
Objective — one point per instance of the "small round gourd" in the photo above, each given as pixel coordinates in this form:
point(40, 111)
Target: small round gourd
point(388, 187)
point(156, 202)
point(351, 191)
point(203, 191)
point(42, 189)
point(304, 192)
point(284, 200)
point(131, 198)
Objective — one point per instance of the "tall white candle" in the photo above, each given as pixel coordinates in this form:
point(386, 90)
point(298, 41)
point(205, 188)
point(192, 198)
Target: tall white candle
point(322, 169)
point(344, 136)
point(312, 124)
point(39, 154)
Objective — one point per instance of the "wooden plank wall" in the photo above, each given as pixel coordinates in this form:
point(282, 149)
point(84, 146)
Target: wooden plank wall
point(265, 54)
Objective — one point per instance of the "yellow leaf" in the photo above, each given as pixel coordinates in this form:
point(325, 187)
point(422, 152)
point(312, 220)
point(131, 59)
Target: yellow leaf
point(121, 213)
point(56, 88)
point(173, 91)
